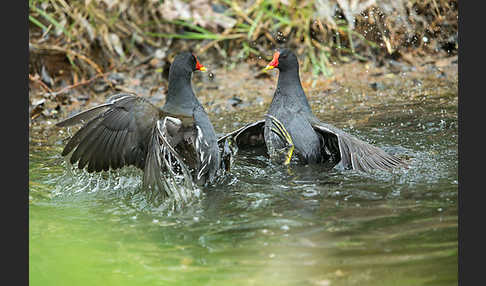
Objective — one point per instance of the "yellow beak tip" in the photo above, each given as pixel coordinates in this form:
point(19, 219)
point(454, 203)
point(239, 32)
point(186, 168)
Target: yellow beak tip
point(267, 68)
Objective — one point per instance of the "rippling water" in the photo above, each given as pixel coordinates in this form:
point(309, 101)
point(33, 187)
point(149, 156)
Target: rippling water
point(265, 224)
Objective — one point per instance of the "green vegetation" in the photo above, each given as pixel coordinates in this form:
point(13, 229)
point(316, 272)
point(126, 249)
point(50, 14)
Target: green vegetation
point(111, 32)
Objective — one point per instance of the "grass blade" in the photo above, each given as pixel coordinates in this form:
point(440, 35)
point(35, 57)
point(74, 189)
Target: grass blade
point(51, 20)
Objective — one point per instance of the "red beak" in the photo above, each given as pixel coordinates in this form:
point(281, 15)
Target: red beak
point(274, 62)
point(199, 66)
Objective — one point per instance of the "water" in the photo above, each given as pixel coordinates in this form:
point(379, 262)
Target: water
point(266, 224)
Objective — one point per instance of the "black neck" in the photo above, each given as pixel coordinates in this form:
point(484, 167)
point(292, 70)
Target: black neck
point(180, 95)
point(289, 80)
point(289, 87)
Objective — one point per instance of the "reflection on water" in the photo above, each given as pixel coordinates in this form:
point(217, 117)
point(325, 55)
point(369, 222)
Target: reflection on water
point(265, 224)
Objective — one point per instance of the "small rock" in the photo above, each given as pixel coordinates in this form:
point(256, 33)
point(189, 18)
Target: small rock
point(377, 86)
point(160, 54)
point(83, 97)
point(417, 82)
point(100, 86)
point(259, 101)
point(46, 78)
point(442, 75)
point(218, 8)
point(116, 78)
point(234, 101)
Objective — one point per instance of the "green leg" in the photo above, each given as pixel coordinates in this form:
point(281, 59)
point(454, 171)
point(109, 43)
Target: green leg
point(284, 134)
point(229, 152)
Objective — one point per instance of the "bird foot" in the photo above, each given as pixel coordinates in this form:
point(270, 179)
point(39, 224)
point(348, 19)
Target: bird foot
point(228, 154)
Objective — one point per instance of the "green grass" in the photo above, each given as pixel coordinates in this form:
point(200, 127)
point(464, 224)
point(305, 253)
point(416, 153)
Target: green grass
point(260, 25)
point(49, 18)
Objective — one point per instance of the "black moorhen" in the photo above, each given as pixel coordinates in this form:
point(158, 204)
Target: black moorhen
point(177, 141)
point(290, 125)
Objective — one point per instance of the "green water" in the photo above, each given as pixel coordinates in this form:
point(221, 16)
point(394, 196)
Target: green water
point(265, 225)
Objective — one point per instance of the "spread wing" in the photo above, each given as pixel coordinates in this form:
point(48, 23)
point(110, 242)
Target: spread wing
point(248, 135)
point(352, 152)
point(114, 134)
point(165, 174)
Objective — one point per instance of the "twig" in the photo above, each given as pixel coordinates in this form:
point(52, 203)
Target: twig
point(75, 54)
point(240, 12)
point(67, 51)
point(40, 82)
point(84, 82)
point(379, 24)
point(213, 42)
point(270, 38)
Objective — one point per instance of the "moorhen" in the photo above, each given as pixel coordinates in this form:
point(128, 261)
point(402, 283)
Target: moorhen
point(290, 125)
point(175, 142)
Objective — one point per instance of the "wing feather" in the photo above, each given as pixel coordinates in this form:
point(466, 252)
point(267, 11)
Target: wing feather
point(114, 134)
point(84, 116)
point(354, 153)
point(207, 150)
point(238, 135)
point(84, 149)
point(165, 173)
